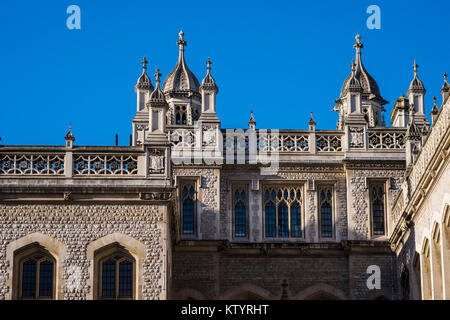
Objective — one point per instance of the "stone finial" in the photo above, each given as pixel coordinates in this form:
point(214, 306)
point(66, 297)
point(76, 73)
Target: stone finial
point(434, 111)
point(181, 42)
point(415, 66)
point(157, 76)
point(69, 137)
point(252, 121)
point(358, 45)
point(144, 63)
point(445, 89)
point(208, 65)
point(312, 123)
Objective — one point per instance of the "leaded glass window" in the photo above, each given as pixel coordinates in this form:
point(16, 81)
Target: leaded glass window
point(377, 199)
point(240, 211)
point(117, 277)
point(326, 211)
point(283, 211)
point(37, 276)
point(188, 202)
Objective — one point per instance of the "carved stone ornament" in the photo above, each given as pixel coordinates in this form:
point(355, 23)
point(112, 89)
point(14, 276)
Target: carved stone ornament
point(356, 137)
point(156, 161)
point(156, 196)
point(209, 136)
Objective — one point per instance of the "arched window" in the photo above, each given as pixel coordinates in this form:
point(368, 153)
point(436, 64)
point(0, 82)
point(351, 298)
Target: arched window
point(283, 220)
point(36, 269)
point(240, 212)
point(282, 209)
point(115, 273)
point(377, 200)
point(180, 115)
point(296, 221)
point(326, 211)
point(188, 208)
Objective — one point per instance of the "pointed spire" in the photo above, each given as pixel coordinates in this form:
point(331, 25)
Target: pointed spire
point(157, 97)
point(69, 135)
point(312, 123)
point(416, 84)
point(445, 88)
point(209, 82)
point(69, 138)
point(181, 81)
point(252, 122)
point(144, 81)
point(434, 111)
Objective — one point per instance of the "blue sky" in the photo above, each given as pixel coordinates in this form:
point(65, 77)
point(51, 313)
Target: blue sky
point(281, 59)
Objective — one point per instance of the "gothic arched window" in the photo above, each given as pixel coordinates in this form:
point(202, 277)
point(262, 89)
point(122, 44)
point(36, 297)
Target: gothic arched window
point(188, 197)
point(180, 115)
point(377, 207)
point(282, 209)
point(36, 278)
point(240, 212)
point(115, 270)
point(326, 211)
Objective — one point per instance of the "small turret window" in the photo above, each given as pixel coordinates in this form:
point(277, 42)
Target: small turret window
point(188, 204)
point(180, 115)
point(326, 211)
point(240, 210)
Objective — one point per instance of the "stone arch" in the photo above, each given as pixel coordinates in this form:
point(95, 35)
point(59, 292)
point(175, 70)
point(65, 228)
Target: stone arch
point(134, 247)
point(425, 270)
point(445, 250)
point(247, 291)
point(189, 294)
point(320, 291)
point(55, 247)
point(436, 261)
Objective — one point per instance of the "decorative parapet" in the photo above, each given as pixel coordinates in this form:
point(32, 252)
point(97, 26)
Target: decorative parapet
point(329, 142)
point(387, 138)
point(106, 164)
point(56, 161)
point(31, 164)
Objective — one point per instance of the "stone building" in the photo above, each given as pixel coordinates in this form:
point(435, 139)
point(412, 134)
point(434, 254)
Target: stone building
point(194, 211)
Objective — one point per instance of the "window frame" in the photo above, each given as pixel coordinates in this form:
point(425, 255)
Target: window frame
point(243, 187)
point(182, 182)
point(372, 183)
point(23, 255)
point(320, 187)
point(103, 255)
point(297, 187)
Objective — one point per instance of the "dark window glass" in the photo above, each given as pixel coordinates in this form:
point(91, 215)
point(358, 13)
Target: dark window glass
point(188, 216)
point(125, 279)
point(283, 220)
point(296, 223)
point(270, 220)
point(377, 209)
point(29, 279)
point(378, 217)
point(326, 224)
point(240, 217)
point(46, 279)
point(109, 279)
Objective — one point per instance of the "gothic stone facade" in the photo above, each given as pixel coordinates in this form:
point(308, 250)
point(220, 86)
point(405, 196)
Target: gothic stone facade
point(194, 211)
